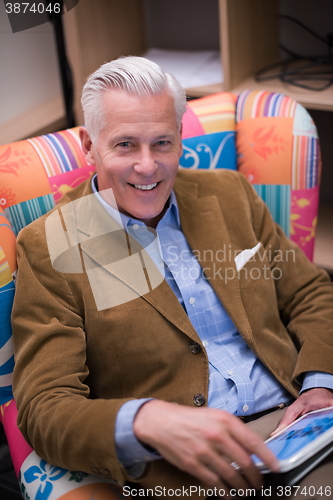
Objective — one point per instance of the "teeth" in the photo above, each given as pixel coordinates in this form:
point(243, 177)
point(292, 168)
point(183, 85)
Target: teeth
point(145, 187)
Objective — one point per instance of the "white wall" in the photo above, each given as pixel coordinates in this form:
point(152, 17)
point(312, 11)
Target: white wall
point(29, 76)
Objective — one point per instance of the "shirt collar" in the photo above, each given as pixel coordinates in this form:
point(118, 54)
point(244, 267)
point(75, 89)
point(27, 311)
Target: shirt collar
point(125, 221)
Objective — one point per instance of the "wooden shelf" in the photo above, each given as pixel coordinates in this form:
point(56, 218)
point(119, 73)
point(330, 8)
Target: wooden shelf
point(323, 254)
point(205, 90)
point(249, 42)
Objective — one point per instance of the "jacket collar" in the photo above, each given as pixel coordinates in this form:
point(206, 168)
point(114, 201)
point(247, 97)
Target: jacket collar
point(206, 231)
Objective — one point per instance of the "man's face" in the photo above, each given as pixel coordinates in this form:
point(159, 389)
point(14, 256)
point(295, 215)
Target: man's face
point(137, 153)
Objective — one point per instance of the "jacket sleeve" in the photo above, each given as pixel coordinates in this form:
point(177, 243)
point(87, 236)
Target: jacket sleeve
point(56, 415)
point(304, 292)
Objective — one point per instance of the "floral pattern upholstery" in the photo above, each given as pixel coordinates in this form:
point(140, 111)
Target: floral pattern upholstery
point(268, 137)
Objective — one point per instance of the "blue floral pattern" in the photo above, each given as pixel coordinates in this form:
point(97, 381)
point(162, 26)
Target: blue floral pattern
point(46, 474)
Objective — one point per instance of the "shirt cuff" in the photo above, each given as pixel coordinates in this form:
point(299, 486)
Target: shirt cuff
point(130, 451)
point(313, 380)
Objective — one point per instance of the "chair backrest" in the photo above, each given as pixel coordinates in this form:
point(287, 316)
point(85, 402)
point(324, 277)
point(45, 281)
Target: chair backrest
point(268, 137)
point(33, 176)
point(272, 140)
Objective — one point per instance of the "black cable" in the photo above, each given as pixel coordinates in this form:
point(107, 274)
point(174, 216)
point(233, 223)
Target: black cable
point(65, 70)
point(306, 28)
point(298, 69)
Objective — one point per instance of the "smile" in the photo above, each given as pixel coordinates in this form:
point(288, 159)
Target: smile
point(145, 187)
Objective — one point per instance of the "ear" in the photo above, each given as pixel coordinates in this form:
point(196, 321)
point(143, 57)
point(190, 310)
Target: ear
point(87, 145)
point(180, 140)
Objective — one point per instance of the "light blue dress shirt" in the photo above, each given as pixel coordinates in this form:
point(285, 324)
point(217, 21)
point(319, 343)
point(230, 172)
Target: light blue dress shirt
point(238, 381)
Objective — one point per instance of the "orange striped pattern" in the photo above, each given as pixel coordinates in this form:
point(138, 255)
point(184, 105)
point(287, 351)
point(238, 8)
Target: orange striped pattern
point(59, 152)
point(254, 104)
point(216, 113)
point(306, 162)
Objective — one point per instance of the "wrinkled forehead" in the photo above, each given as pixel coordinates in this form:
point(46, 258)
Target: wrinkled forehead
point(123, 107)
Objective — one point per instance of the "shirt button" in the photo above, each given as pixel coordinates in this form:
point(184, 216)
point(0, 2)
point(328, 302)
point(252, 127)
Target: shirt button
point(199, 400)
point(205, 343)
point(192, 300)
point(135, 226)
point(230, 372)
point(245, 407)
point(195, 347)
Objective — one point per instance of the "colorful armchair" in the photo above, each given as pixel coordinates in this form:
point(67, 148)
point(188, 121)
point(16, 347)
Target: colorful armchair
point(268, 137)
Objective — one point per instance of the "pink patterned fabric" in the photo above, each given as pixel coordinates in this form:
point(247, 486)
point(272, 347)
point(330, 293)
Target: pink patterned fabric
point(62, 183)
point(8, 415)
point(191, 125)
point(303, 218)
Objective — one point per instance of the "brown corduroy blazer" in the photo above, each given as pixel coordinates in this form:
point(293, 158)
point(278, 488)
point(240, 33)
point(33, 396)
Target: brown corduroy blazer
point(78, 360)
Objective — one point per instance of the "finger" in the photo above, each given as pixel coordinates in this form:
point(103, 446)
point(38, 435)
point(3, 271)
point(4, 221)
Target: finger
point(293, 412)
point(230, 475)
point(200, 468)
point(237, 453)
point(254, 445)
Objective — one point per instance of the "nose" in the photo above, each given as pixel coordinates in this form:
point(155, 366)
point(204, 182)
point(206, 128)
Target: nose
point(145, 163)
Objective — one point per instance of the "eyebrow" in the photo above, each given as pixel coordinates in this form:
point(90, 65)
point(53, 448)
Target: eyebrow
point(124, 138)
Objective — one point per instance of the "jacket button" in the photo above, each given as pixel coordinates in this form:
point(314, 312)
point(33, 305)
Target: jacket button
point(199, 400)
point(195, 347)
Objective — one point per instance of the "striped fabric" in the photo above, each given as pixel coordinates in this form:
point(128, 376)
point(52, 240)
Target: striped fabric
point(216, 113)
point(306, 161)
point(255, 114)
point(277, 198)
point(22, 214)
point(253, 104)
point(59, 152)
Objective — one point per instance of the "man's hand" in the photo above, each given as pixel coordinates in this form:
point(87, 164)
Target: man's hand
point(313, 399)
point(204, 442)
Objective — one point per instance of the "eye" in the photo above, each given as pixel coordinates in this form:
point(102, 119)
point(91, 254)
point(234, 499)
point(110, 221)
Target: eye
point(162, 143)
point(124, 144)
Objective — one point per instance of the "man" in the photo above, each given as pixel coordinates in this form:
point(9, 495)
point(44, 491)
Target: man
point(106, 347)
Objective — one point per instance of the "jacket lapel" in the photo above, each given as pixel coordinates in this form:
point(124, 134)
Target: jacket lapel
point(115, 261)
point(205, 229)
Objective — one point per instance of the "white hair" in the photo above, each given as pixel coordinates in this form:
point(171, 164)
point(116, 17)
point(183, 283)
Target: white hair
point(135, 75)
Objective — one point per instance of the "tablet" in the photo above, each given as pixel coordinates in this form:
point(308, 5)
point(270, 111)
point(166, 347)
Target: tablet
point(306, 437)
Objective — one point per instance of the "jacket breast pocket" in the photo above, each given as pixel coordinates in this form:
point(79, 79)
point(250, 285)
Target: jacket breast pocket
point(253, 268)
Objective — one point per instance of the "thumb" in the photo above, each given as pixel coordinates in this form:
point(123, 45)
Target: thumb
point(288, 418)
point(280, 427)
